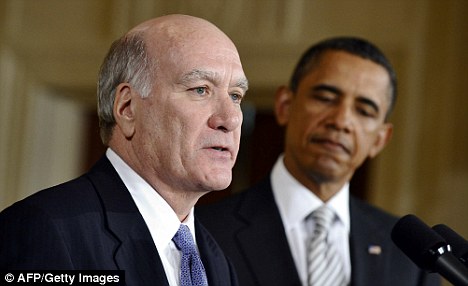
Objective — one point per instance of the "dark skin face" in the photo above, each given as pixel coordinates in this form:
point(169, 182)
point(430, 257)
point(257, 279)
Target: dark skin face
point(334, 121)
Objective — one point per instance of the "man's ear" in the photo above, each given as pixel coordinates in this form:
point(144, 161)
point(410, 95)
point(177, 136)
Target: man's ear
point(383, 137)
point(124, 109)
point(283, 101)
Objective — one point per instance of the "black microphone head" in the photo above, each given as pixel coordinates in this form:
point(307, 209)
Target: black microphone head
point(417, 240)
point(458, 244)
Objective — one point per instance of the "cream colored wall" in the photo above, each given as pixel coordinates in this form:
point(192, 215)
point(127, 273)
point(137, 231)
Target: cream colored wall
point(50, 51)
point(41, 133)
point(425, 169)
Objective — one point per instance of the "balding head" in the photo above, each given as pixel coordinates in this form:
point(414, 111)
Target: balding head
point(174, 25)
point(174, 36)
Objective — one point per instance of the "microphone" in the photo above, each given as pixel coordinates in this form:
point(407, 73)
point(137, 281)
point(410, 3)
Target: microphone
point(428, 250)
point(457, 242)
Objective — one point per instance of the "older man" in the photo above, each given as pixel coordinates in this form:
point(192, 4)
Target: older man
point(169, 97)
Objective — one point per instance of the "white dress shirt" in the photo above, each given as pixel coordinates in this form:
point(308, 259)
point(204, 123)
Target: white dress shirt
point(160, 218)
point(295, 202)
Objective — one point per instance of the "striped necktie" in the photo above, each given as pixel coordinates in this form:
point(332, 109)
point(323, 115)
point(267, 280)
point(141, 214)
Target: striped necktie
point(192, 272)
point(324, 264)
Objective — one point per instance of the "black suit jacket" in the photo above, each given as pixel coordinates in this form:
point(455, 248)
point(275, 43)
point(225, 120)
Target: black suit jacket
point(249, 229)
point(92, 223)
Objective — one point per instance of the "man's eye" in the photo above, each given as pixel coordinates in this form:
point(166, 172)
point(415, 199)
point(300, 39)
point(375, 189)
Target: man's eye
point(236, 97)
point(200, 90)
point(323, 98)
point(367, 112)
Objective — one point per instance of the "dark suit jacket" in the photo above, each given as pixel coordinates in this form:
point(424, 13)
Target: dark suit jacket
point(92, 223)
point(249, 229)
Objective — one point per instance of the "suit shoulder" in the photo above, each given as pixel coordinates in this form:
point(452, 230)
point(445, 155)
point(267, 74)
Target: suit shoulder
point(256, 194)
point(369, 208)
point(218, 211)
point(373, 215)
point(68, 197)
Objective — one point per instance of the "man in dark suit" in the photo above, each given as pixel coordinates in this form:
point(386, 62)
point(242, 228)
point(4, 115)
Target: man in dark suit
point(169, 98)
point(335, 112)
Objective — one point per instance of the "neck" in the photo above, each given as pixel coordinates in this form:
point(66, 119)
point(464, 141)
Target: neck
point(179, 197)
point(324, 191)
point(322, 185)
point(182, 203)
point(324, 188)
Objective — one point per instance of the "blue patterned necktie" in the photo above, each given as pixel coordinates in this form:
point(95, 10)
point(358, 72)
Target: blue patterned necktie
point(192, 272)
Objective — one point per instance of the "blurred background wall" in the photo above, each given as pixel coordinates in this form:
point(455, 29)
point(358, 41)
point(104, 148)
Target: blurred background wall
point(51, 50)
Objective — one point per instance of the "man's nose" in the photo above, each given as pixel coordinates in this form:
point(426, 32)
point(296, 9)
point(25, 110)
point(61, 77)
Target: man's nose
point(227, 114)
point(341, 118)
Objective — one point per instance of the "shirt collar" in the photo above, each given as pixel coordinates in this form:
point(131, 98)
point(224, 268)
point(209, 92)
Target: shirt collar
point(158, 215)
point(295, 202)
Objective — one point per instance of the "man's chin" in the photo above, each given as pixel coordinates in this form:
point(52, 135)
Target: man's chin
point(221, 186)
point(218, 181)
point(325, 173)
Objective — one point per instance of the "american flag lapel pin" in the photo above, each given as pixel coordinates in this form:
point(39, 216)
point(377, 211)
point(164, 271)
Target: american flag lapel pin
point(374, 249)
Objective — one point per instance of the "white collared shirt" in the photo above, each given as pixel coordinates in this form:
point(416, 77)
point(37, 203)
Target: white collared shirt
point(295, 202)
point(160, 218)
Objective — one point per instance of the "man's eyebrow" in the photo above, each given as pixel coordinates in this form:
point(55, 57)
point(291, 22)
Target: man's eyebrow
point(329, 88)
point(210, 76)
point(243, 84)
point(197, 74)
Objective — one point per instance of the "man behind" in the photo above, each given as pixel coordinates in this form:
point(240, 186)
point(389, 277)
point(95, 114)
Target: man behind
point(335, 112)
point(169, 96)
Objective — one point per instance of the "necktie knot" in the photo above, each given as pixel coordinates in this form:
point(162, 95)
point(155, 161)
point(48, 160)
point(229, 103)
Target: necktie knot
point(192, 271)
point(323, 219)
point(183, 240)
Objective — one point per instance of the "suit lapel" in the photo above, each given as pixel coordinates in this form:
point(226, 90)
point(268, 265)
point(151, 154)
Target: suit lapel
point(135, 250)
point(263, 240)
point(215, 263)
point(368, 247)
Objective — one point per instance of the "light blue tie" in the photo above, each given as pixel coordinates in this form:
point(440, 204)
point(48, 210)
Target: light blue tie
point(324, 265)
point(192, 272)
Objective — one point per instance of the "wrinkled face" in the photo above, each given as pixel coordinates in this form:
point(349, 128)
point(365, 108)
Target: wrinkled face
point(188, 129)
point(336, 118)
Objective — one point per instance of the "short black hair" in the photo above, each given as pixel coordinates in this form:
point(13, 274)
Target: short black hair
point(353, 45)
